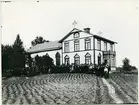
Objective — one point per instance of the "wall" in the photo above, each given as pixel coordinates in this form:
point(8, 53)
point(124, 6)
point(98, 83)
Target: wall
point(102, 45)
point(51, 54)
point(82, 51)
point(81, 54)
point(82, 37)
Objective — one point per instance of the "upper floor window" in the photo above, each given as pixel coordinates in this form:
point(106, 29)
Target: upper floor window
point(99, 44)
point(66, 46)
point(111, 47)
point(77, 59)
point(88, 59)
point(105, 46)
point(76, 35)
point(76, 45)
point(87, 44)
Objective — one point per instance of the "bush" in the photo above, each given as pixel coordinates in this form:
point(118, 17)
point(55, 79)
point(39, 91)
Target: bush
point(17, 71)
point(43, 63)
point(76, 69)
point(54, 69)
point(29, 72)
point(84, 69)
point(7, 73)
point(126, 64)
point(60, 69)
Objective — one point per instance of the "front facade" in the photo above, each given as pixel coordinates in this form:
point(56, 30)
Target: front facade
point(80, 47)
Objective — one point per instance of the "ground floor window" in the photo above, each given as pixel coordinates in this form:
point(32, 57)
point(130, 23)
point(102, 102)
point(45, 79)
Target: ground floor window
point(57, 58)
point(77, 59)
point(67, 62)
point(87, 58)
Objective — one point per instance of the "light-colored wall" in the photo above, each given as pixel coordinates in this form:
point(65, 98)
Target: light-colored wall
point(51, 54)
point(102, 45)
point(82, 35)
point(71, 39)
point(82, 51)
point(81, 54)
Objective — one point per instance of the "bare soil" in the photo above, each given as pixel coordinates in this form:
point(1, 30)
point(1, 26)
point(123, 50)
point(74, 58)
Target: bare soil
point(70, 89)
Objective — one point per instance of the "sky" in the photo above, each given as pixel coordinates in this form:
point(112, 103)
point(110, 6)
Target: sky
point(117, 20)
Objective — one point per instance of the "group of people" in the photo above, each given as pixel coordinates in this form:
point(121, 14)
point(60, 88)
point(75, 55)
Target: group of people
point(102, 70)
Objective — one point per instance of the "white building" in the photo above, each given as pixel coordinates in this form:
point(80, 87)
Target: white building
point(80, 47)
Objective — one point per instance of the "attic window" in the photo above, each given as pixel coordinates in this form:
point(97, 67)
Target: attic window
point(76, 35)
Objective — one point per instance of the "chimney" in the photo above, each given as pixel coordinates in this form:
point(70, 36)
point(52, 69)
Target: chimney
point(87, 30)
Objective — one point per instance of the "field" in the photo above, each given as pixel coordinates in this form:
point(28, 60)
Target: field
point(70, 89)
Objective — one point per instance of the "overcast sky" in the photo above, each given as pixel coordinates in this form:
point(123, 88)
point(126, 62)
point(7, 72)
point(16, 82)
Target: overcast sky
point(117, 20)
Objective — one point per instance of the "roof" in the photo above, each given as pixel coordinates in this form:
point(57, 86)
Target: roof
point(56, 45)
point(72, 31)
point(77, 30)
point(46, 46)
point(99, 37)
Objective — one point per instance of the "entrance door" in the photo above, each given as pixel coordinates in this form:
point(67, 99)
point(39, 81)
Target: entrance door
point(99, 59)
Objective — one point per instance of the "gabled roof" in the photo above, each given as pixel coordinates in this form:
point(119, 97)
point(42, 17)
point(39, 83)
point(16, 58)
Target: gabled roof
point(56, 45)
point(72, 31)
point(104, 39)
point(46, 46)
point(77, 30)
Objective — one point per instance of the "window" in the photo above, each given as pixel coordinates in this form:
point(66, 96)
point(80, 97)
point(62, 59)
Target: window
point(77, 59)
point(76, 45)
point(87, 44)
point(76, 35)
point(99, 44)
point(67, 62)
point(66, 44)
point(88, 59)
point(105, 46)
point(111, 47)
point(57, 58)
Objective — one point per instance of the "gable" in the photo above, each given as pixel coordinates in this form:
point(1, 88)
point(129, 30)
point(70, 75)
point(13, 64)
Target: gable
point(72, 31)
point(83, 34)
point(70, 36)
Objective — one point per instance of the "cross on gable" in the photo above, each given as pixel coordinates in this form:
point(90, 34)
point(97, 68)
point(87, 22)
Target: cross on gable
point(74, 23)
point(99, 33)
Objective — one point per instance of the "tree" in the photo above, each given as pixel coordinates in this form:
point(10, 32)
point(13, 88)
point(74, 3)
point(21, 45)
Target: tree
point(39, 63)
point(28, 65)
point(47, 61)
point(126, 64)
point(6, 57)
point(28, 60)
point(43, 63)
point(18, 56)
point(38, 40)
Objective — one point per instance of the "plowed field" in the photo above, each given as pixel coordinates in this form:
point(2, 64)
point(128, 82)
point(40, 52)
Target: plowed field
point(70, 89)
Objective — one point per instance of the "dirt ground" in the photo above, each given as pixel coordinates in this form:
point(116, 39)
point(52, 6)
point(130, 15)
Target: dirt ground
point(70, 89)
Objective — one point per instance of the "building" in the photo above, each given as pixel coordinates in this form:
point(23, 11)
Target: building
point(79, 47)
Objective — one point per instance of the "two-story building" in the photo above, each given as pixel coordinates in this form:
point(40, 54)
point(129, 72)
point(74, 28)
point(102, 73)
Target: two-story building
point(79, 47)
